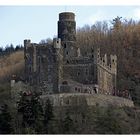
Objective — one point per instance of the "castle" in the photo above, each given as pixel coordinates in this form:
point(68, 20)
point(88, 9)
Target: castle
point(59, 67)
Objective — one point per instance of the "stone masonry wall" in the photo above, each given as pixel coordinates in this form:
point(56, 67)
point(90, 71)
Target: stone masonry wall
point(77, 99)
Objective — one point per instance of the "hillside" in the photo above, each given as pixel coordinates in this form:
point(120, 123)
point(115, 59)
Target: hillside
point(10, 65)
point(94, 120)
point(72, 119)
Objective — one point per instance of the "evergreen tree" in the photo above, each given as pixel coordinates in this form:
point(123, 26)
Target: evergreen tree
point(5, 121)
point(17, 48)
point(48, 115)
point(32, 113)
point(106, 122)
point(37, 114)
point(1, 50)
point(67, 124)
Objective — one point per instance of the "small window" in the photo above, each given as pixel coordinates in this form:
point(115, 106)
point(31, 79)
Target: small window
point(75, 88)
point(57, 41)
point(67, 62)
point(95, 90)
point(65, 46)
point(65, 83)
point(78, 73)
point(85, 90)
point(92, 56)
point(67, 53)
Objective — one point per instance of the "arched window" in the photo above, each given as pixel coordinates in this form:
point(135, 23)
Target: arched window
point(65, 83)
point(75, 88)
point(67, 62)
point(85, 90)
point(79, 90)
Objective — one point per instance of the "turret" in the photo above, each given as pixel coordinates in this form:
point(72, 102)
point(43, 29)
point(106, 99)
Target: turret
point(114, 71)
point(67, 27)
point(27, 43)
point(113, 64)
point(58, 67)
point(96, 55)
point(67, 33)
point(57, 43)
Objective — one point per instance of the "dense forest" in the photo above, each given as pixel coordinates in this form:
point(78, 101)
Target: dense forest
point(120, 37)
point(8, 49)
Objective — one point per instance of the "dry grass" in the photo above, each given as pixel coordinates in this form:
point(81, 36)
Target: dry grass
point(11, 64)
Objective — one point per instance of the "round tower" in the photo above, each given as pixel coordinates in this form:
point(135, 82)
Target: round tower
point(67, 26)
point(67, 33)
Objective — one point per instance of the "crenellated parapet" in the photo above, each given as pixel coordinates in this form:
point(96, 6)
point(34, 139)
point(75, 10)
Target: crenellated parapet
point(111, 67)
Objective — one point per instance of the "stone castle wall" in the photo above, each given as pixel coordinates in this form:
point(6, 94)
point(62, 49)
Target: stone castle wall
point(81, 99)
point(47, 65)
point(42, 66)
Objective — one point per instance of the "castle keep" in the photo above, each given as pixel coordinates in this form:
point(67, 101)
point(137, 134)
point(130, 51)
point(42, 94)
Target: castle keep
point(60, 68)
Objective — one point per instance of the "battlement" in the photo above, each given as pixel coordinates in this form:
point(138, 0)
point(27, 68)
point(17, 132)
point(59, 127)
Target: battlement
point(65, 16)
point(27, 41)
point(112, 67)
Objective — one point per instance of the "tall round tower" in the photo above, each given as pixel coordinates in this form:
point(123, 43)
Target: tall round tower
point(67, 33)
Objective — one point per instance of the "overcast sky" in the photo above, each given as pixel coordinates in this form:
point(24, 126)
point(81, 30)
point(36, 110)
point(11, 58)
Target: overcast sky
point(40, 22)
